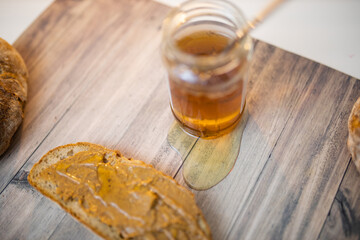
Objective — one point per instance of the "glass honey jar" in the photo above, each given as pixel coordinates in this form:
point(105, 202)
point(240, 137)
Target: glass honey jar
point(207, 64)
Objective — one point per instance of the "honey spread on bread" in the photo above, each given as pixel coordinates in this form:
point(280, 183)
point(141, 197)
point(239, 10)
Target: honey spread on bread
point(127, 195)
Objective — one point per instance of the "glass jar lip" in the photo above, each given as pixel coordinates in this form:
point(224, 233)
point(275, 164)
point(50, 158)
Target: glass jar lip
point(179, 14)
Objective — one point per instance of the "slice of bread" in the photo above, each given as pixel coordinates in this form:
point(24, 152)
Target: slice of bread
point(173, 213)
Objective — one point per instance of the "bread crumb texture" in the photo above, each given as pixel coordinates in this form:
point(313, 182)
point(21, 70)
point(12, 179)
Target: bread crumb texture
point(13, 92)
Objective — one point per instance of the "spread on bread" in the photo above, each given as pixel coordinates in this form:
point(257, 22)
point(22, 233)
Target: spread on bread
point(129, 196)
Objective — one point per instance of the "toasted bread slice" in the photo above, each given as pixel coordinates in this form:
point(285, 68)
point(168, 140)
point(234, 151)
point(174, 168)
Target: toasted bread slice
point(151, 205)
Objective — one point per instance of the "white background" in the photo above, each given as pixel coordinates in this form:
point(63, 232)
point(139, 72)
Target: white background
point(326, 31)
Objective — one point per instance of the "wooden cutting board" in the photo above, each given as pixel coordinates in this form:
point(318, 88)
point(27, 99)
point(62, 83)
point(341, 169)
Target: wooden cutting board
point(96, 75)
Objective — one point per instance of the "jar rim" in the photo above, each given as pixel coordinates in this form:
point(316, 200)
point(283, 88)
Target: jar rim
point(181, 14)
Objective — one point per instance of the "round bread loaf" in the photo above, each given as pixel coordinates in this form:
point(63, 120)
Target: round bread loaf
point(13, 92)
point(354, 134)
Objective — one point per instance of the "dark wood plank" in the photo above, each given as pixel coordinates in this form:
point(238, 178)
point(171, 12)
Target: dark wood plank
point(69, 228)
point(343, 220)
point(17, 205)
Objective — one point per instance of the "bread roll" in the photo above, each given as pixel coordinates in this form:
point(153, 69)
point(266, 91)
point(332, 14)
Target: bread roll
point(13, 92)
point(354, 134)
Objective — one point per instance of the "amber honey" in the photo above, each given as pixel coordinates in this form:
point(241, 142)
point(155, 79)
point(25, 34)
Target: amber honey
point(213, 105)
point(206, 61)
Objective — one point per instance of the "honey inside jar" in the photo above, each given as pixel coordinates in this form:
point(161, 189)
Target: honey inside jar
point(208, 103)
point(203, 43)
point(207, 63)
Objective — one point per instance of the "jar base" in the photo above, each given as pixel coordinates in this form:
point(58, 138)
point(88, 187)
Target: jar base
point(209, 134)
point(207, 161)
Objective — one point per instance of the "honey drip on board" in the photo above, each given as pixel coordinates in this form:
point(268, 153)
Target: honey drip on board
point(212, 106)
point(207, 161)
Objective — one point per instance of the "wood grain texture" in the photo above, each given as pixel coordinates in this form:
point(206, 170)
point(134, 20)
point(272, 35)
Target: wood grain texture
point(293, 153)
point(343, 220)
point(211, 160)
point(96, 75)
point(305, 167)
point(94, 63)
point(206, 162)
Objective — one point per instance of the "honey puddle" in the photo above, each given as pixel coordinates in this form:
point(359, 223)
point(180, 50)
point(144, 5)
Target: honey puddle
point(207, 161)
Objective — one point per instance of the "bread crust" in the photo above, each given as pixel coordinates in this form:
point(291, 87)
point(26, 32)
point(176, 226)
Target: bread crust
point(13, 92)
point(99, 228)
point(42, 163)
point(354, 134)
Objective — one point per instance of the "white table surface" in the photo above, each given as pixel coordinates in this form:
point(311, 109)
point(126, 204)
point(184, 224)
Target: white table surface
point(325, 31)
